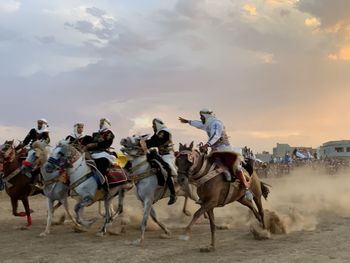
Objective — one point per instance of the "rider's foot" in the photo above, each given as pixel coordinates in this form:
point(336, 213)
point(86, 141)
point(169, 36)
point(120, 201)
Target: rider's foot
point(172, 200)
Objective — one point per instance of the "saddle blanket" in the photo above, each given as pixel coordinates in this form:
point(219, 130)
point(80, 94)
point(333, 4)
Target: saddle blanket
point(111, 158)
point(116, 175)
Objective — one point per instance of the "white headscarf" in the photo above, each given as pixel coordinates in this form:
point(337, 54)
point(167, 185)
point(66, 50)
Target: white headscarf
point(209, 116)
point(159, 124)
point(75, 133)
point(106, 125)
point(44, 127)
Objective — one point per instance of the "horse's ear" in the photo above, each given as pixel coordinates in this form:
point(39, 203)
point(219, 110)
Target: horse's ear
point(181, 147)
point(191, 145)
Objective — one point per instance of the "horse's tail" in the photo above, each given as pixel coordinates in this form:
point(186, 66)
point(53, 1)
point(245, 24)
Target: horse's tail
point(264, 189)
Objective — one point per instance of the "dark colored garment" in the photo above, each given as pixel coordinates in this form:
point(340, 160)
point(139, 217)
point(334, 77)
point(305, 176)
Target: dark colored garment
point(81, 141)
point(102, 165)
point(161, 140)
point(104, 140)
point(33, 136)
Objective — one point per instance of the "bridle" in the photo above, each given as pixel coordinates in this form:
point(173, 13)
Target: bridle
point(192, 157)
point(7, 155)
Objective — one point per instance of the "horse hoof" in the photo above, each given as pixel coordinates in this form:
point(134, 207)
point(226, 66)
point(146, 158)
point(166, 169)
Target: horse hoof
point(21, 214)
point(43, 234)
point(165, 236)
point(136, 242)
point(184, 237)
point(100, 234)
point(24, 228)
point(207, 249)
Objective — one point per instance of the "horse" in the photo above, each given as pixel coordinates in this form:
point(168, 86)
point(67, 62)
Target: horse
point(54, 190)
point(214, 191)
point(148, 191)
point(17, 184)
point(66, 164)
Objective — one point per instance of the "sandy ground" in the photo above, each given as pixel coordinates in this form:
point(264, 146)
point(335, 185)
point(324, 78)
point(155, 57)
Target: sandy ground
point(315, 210)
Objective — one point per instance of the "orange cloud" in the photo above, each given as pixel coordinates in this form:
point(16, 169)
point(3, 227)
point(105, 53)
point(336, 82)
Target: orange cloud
point(343, 54)
point(250, 9)
point(312, 22)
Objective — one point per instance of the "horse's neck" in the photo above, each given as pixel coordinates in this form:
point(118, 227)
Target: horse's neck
point(12, 166)
point(200, 162)
point(140, 164)
point(79, 168)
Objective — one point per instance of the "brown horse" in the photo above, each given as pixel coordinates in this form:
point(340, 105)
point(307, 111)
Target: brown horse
point(213, 190)
point(17, 184)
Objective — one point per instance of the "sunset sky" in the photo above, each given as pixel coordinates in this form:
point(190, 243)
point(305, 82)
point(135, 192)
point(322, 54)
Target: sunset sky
point(272, 70)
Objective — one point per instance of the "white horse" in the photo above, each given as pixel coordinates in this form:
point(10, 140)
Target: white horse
point(147, 189)
point(67, 172)
point(54, 188)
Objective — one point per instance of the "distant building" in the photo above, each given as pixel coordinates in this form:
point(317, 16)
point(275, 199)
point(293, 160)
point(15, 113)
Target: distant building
point(264, 156)
point(340, 149)
point(282, 149)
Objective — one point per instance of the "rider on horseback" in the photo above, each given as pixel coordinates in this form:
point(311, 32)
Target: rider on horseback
point(100, 142)
point(162, 139)
point(77, 138)
point(39, 133)
point(219, 142)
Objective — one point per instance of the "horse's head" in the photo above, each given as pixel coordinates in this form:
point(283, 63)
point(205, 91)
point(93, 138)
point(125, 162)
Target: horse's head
point(36, 156)
point(131, 145)
point(64, 155)
point(7, 154)
point(186, 160)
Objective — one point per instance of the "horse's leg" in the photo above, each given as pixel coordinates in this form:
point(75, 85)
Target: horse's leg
point(203, 209)
point(49, 217)
point(100, 209)
point(147, 207)
point(107, 202)
point(250, 205)
point(56, 206)
point(25, 202)
point(258, 203)
point(66, 208)
point(79, 208)
point(14, 204)
point(155, 219)
point(120, 202)
point(212, 229)
point(184, 209)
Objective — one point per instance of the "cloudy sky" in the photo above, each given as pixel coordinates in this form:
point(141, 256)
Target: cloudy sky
point(272, 70)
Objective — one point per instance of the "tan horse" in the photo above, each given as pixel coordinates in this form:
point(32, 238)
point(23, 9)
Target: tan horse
point(18, 185)
point(214, 191)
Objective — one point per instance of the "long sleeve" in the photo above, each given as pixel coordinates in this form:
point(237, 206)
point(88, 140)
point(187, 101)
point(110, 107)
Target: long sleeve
point(105, 144)
point(197, 124)
point(216, 130)
point(31, 136)
point(157, 140)
point(152, 142)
